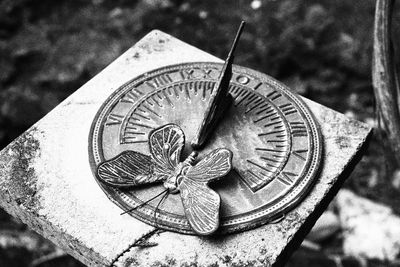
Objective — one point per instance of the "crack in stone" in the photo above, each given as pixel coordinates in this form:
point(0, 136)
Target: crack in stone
point(142, 241)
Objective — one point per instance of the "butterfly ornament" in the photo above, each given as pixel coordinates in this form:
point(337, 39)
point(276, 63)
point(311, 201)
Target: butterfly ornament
point(201, 204)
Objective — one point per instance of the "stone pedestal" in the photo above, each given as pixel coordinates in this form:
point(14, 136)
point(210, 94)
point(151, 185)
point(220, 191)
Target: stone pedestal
point(46, 180)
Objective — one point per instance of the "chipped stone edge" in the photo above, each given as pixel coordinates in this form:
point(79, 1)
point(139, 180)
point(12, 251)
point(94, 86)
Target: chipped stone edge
point(15, 164)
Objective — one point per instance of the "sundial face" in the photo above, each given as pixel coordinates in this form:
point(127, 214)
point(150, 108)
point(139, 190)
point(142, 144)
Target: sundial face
point(275, 142)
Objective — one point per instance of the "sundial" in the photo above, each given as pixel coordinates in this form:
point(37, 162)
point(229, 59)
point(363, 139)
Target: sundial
point(48, 176)
point(272, 135)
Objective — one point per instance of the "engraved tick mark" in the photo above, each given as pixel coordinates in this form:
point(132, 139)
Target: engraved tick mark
point(269, 149)
point(258, 103)
point(273, 132)
point(269, 159)
point(259, 166)
point(274, 95)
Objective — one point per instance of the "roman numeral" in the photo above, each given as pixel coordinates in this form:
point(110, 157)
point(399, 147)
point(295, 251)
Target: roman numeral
point(160, 81)
point(186, 74)
point(190, 74)
point(298, 129)
point(274, 95)
point(286, 178)
point(131, 97)
point(257, 86)
point(302, 153)
point(114, 119)
point(287, 109)
point(207, 73)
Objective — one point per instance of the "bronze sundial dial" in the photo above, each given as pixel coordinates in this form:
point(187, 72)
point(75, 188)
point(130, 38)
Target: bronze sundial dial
point(274, 141)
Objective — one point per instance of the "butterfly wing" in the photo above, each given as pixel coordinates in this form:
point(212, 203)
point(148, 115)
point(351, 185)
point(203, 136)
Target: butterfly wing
point(200, 202)
point(166, 144)
point(128, 169)
point(132, 168)
point(213, 166)
point(201, 205)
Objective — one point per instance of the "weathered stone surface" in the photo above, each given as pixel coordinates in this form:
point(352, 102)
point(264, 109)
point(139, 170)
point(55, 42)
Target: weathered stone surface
point(371, 230)
point(46, 181)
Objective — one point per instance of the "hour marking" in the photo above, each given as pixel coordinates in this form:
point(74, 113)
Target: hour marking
point(273, 132)
point(142, 116)
point(269, 159)
point(187, 90)
point(268, 107)
point(133, 124)
point(257, 86)
point(114, 119)
point(300, 153)
point(159, 96)
point(133, 133)
point(261, 107)
point(138, 91)
point(256, 104)
point(275, 118)
point(274, 95)
point(269, 114)
point(204, 92)
point(277, 141)
point(259, 166)
point(241, 93)
point(132, 140)
point(272, 123)
point(159, 81)
point(151, 110)
point(298, 128)
point(141, 110)
point(288, 109)
point(233, 89)
point(258, 178)
point(207, 73)
point(250, 101)
point(271, 165)
point(186, 74)
point(245, 95)
point(286, 178)
point(130, 97)
point(268, 149)
point(167, 98)
point(175, 89)
point(155, 101)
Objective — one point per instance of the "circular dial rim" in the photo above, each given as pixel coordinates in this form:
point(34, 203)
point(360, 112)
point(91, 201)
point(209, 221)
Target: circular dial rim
point(240, 222)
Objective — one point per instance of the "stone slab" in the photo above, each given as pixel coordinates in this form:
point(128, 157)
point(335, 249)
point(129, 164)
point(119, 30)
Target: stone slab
point(46, 180)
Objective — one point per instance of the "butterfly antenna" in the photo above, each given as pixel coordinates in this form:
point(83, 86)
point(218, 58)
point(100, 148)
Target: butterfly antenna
point(144, 203)
point(164, 197)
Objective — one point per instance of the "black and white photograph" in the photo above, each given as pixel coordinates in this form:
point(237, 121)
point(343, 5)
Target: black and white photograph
point(199, 133)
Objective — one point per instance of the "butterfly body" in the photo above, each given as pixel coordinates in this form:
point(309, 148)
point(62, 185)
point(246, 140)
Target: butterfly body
point(173, 181)
point(201, 203)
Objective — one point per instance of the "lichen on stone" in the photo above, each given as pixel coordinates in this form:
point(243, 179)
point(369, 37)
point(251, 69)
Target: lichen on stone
point(17, 172)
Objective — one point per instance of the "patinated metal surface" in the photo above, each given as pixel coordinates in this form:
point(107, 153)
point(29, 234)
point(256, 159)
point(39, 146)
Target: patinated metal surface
point(220, 99)
point(275, 141)
point(201, 204)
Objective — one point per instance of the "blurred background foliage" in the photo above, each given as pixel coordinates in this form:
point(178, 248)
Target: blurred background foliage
point(321, 49)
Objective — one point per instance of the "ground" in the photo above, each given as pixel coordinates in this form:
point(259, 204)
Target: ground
point(321, 49)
